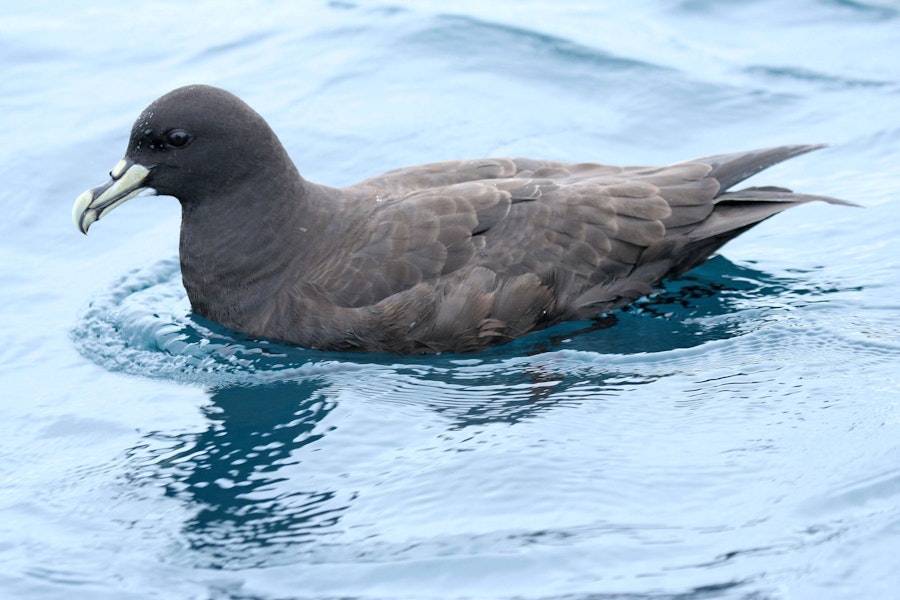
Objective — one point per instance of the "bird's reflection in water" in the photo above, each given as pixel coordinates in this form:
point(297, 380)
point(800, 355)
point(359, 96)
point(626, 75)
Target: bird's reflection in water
point(230, 474)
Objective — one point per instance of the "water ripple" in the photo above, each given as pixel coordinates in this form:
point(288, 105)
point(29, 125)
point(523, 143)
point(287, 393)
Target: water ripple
point(509, 44)
point(821, 80)
point(143, 325)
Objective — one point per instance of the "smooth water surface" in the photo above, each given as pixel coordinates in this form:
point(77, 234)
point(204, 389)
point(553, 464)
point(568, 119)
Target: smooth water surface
point(735, 436)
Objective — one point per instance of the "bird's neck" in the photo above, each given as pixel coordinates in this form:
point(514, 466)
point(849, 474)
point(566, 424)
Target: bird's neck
point(234, 257)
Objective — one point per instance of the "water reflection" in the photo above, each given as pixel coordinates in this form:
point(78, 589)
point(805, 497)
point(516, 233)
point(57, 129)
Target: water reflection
point(510, 391)
point(244, 511)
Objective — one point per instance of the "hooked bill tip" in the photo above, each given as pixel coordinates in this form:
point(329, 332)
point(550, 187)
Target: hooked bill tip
point(81, 214)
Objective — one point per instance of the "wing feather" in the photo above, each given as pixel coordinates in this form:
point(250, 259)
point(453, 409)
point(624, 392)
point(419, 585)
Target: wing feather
point(492, 248)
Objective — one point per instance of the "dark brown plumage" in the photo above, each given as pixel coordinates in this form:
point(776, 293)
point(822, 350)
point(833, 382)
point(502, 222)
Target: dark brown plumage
point(445, 257)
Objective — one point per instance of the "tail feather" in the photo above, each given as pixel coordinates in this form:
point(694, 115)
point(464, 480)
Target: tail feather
point(702, 221)
point(734, 212)
point(737, 211)
point(731, 169)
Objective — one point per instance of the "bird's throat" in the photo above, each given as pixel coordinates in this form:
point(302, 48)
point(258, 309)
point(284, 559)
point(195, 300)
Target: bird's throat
point(228, 271)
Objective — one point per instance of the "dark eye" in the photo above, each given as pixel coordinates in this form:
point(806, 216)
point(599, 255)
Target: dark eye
point(177, 138)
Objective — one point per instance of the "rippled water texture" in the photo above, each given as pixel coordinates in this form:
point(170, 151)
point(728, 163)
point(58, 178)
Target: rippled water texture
point(735, 435)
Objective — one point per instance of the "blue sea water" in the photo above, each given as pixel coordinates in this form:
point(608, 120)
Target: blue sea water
point(736, 435)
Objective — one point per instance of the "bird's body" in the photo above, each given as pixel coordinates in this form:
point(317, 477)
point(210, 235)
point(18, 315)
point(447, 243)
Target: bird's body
point(444, 257)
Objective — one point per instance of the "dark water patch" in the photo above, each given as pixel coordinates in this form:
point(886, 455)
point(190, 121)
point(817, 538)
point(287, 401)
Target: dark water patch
point(817, 79)
point(818, 10)
point(869, 11)
point(518, 48)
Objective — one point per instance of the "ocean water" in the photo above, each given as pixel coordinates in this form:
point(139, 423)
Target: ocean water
point(736, 435)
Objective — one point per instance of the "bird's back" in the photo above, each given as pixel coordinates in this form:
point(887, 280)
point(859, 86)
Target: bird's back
point(462, 255)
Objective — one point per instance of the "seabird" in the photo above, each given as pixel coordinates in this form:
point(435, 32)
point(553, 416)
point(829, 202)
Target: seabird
point(453, 256)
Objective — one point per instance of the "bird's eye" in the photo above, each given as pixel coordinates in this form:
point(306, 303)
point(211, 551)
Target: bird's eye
point(177, 138)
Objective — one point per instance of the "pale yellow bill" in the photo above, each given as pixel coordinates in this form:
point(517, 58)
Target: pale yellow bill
point(92, 205)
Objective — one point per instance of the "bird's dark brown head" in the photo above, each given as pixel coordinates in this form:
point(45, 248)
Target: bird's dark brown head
point(197, 140)
point(191, 143)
